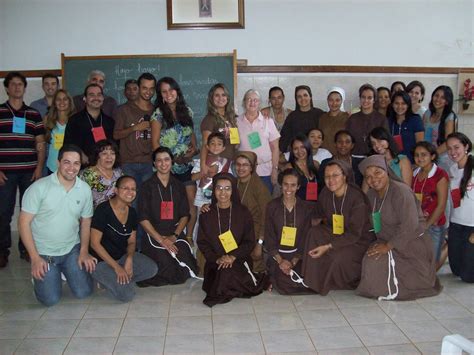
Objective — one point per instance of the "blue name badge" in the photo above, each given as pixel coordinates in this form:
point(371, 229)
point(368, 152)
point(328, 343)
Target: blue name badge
point(19, 125)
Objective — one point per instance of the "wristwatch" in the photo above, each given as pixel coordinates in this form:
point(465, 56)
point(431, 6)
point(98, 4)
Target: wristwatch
point(260, 241)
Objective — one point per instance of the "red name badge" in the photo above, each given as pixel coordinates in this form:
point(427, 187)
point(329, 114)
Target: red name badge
point(398, 140)
point(312, 191)
point(166, 210)
point(98, 133)
point(456, 196)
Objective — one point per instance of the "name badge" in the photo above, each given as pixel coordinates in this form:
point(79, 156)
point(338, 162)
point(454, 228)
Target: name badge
point(58, 140)
point(398, 140)
point(377, 221)
point(234, 135)
point(19, 125)
point(228, 242)
point(254, 140)
point(419, 196)
point(456, 197)
point(166, 210)
point(311, 191)
point(337, 224)
point(288, 236)
point(98, 133)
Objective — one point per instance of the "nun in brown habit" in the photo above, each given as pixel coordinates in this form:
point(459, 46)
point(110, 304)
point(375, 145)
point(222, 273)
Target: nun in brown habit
point(400, 264)
point(226, 238)
point(337, 243)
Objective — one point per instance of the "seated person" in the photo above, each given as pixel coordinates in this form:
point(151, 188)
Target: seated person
point(163, 212)
point(54, 226)
point(226, 238)
point(287, 222)
point(113, 243)
point(400, 264)
point(335, 248)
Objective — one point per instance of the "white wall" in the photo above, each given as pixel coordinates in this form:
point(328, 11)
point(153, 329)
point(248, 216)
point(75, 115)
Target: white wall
point(33, 33)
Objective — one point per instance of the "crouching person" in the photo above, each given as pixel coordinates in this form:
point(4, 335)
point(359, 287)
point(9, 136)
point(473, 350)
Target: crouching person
point(54, 225)
point(113, 242)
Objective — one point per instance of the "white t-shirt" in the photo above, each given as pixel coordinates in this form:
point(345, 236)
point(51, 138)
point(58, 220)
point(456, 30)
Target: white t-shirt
point(465, 212)
point(319, 156)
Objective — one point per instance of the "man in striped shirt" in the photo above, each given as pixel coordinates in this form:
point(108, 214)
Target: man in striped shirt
point(22, 155)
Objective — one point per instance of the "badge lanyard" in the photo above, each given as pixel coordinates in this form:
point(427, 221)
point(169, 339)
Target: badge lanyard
point(376, 215)
point(420, 195)
point(338, 218)
point(8, 105)
point(90, 121)
point(294, 215)
point(167, 207)
point(245, 190)
point(219, 219)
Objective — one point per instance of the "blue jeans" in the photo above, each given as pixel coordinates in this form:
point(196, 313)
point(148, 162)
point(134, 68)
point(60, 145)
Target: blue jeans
point(48, 291)
point(461, 251)
point(15, 181)
point(143, 269)
point(141, 172)
point(437, 237)
point(267, 181)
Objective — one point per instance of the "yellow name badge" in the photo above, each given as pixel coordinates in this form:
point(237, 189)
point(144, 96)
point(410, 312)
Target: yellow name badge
point(419, 196)
point(288, 236)
point(58, 140)
point(228, 241)
point(234, 135)
point(337, 224)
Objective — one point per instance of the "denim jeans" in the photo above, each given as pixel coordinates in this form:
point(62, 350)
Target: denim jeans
point(143, 269)
point(48, 291)
point(437, 237)
point(267, 181)
point(461, 251)
point(7, 207)
point(141, 172)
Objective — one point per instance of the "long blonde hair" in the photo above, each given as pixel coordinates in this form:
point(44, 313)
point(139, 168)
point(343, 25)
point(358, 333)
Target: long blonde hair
point(53, 115)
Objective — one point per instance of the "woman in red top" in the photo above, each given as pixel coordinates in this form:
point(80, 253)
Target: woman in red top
point(430, 185)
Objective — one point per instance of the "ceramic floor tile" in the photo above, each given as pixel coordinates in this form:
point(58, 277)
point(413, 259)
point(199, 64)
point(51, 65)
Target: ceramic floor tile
point(189, 344)
point(334, 338)
point(348, 351)
point(461, 326)
point(238, 343)
point(15, 329)
point(403, 349)
point(49, 346)
point(365, 315)
point(323, 319)
point(135, 327)
point(445, 310)
point(350, 299)
point(243, 323)
point(271, 303)
point(81, 346)
point(8, 346)
point(423, 331)
point(107, 310)
point(236, 306)
point(148, 309)
point(287, 341)
point(66, 311)
point(152, 294)
point(15, 285)
point(98, 328)
point(189, 309)
point(59, 328)
point(380, 334)
point(279, 321)
point(313, 302)
point(24, 312)
point(189, 325)
point(429, 348)
point(140, 345)
point(399, 312)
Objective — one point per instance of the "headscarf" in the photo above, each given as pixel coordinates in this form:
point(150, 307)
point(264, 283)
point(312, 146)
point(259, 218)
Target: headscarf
point(235, 197)
point(379, 161)
point(340, 91)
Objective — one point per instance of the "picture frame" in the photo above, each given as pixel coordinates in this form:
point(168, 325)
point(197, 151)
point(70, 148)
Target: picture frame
point(205, 14)
point(465, 91)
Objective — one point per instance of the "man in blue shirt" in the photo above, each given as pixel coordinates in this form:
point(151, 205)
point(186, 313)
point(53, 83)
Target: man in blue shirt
point(50, 84)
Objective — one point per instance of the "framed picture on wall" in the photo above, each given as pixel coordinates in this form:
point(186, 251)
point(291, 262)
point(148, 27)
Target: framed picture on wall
point(466, 92)
point(205, 14)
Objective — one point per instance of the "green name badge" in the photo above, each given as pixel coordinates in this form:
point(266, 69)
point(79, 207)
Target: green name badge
point(254, 140)
point(377, 221)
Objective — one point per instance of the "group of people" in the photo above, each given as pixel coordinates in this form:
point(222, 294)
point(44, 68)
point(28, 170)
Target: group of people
point(301, 201)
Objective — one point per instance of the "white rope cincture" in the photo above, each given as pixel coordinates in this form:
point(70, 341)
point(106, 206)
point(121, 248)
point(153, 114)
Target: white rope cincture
point(173, 255)
point(293, 273)
point(391, 266)
point(250, 273)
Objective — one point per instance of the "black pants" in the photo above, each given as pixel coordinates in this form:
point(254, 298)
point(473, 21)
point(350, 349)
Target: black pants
point(461, 251)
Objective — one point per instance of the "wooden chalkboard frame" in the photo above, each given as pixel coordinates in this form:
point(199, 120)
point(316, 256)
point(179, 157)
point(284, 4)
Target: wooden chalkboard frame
point(64, 58)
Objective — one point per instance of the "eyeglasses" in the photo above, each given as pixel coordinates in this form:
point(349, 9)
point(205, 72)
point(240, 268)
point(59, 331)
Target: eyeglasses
point(224, 188)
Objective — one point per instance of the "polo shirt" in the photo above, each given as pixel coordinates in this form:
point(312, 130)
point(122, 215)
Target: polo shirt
point(18, 150)
point(411, 125)
point(41, 105)
point(55, 226)
point(267, 132)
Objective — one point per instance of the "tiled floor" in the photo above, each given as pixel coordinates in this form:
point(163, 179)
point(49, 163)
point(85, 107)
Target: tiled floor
point(174, 320)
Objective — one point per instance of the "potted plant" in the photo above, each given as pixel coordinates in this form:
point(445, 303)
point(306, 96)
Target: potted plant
point(467, 94)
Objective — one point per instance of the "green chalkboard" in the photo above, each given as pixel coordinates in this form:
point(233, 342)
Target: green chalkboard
point(195, 73)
